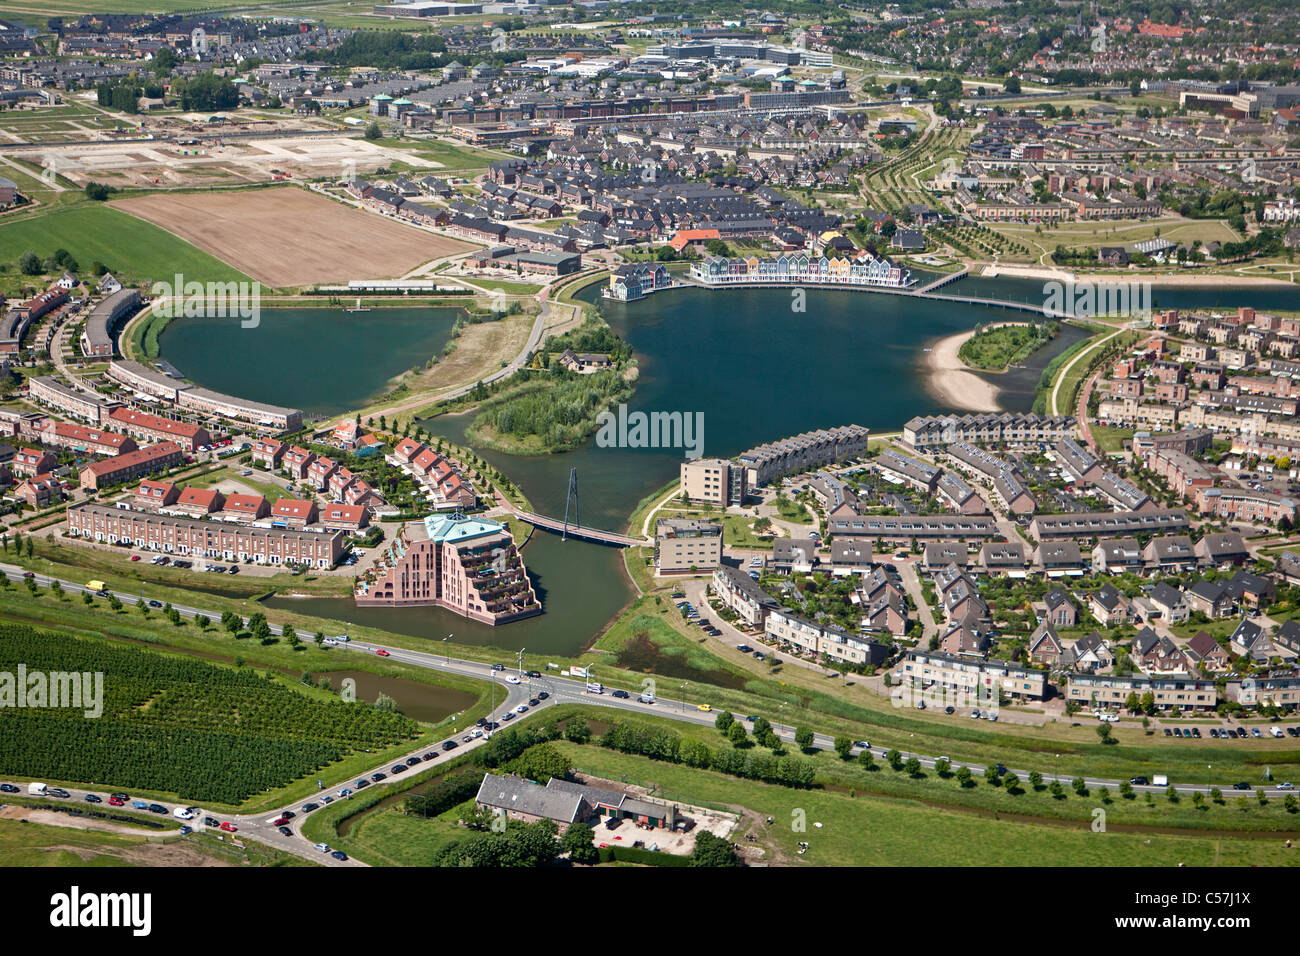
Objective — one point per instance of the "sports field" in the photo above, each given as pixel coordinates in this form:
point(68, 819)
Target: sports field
point(288, 237)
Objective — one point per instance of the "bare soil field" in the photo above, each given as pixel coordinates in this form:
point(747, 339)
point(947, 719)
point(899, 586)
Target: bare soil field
point(289, 237)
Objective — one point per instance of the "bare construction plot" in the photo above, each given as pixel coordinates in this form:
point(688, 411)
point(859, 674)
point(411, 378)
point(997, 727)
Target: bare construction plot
point(287, 237)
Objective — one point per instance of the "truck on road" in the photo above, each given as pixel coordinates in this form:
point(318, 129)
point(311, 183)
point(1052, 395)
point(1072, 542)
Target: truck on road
point(36, 789)
point(1159, 780)
point(98, 587)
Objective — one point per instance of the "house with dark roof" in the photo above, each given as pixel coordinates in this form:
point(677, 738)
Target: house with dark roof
point(1168, 602)
point(1044, 645)
point(1288, 635)
point(1088, 654)
point(1156, 654)
point(1251, 589)
point(1211, 598)
point(1206, 653)
point(1109, 606)
point(1218, 549)
point(1057, 608)
point(1250, 640)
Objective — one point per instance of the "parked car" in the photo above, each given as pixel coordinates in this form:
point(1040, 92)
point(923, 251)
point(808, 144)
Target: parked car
point(94, 798)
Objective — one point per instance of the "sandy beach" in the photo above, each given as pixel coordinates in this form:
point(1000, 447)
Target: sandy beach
point(952, 382)
point(1194, 279)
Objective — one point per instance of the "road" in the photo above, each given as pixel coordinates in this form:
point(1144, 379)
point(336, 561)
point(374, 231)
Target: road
point(561, 690)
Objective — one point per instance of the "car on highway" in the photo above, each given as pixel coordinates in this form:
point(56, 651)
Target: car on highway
point(280, 821)
point(449, 745)
point(155, 603)
point(8, 788)
point(340, 856)
point(521, 709)
point(345, 792)
point(361, 783)
point(327, 799)
point(620, 694)
point(704, 707)
point(542, 695)
point(498, 667)
point(309, 807)
point(1286, 785)
point(430, 755)
point(377, 776)
point(285, 830)
point(323, 847)
point(229, 827)
point(1241, 785)
point(412, 761)
point(1138, 781)
point(512, 679)
point(508, 715)
point(381, 652)
point(534, 702)
point(534, 673)
point(397, 768)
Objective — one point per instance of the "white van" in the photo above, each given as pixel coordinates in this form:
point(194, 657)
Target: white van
point(180, 813)
point(36, 789)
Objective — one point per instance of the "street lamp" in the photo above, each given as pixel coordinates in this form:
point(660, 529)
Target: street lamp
point(520, 672)
point(684, 696)
point(446, 649)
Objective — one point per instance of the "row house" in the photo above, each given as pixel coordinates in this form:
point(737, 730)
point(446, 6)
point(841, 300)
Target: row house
point(131, 465)
point(82, 439)
point(268, 452)
point(208, 539)
point(148, 427)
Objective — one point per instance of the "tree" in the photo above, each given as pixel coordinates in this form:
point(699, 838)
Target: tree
point(373, 131)
point(804, 738)
point(844, 747)
point(942, 766)
point(913, 767)
point(1126, 790)
point(895, 759)
point(1010, 782)
point(1057, 791)
point(867, 760)
point(1035, 779)
point(98, 192)
point(736, 733)
point(1080, 786)
point(724, 720)
point(964, 776)
point(1104, 733)
point(577, 730)
point(713, 850)
point(991, 775)
point(578, 842)
point(201, 621)
point(291, 636)
point(1012, 85)
point(29, 264)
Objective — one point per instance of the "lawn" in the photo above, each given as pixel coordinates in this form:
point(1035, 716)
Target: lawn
point(1111, 440)
point(132, 249)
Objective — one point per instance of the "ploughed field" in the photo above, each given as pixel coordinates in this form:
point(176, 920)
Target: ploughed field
point(288, 237)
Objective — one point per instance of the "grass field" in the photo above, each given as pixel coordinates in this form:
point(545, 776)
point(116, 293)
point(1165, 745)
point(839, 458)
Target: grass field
point(1080, 234)
point(847, 825)
point(132, 249)
point(36, 844)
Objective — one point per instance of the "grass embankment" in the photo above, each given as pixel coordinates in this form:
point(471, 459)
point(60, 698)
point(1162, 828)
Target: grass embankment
point(997, 349)
point(866, 816)
point(784, 691)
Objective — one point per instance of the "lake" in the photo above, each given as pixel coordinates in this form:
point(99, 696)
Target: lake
point(324, 361)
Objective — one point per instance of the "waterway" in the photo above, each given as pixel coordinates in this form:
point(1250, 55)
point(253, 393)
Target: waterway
point(324, 361)
point(756, 370)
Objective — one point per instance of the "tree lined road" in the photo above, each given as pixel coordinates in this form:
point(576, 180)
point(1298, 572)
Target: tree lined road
point(561, 690)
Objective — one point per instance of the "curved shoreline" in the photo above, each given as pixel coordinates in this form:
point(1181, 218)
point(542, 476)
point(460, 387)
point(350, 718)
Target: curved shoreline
point(950, 380)
point(1057, 274)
